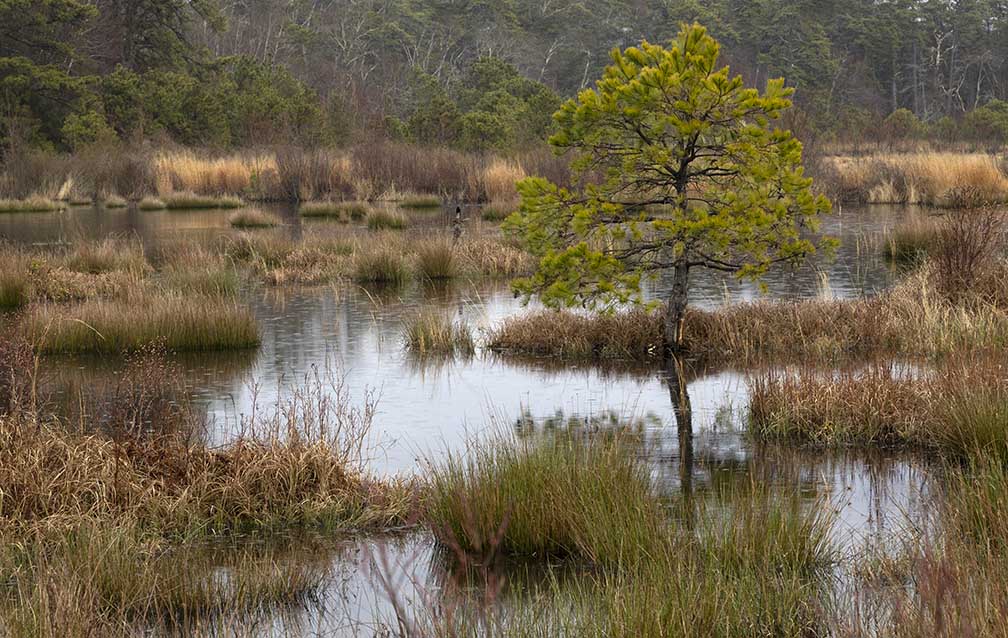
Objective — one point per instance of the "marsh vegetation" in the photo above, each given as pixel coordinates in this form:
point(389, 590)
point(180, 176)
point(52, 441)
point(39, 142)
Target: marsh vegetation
point(300, 351)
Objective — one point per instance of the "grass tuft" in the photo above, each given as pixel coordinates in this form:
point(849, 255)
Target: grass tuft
point(435, 260)
point(190, 200)
point(253, 218)
point(29, 205)
point(432, 333)
point(343, 211)
point(152, 203)
point(420, 201)
point(380, 265)
point(386, 220)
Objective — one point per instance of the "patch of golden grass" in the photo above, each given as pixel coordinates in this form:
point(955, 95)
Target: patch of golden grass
point(231, 175)
point(926, 178)
point(499, 178)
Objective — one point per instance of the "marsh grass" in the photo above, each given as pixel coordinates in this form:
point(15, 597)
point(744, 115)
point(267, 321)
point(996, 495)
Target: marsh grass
point(420, 202)
point(436, 261)
point(108, 255)
point(386, 220)
point(136, 456)
point(115, 519)
point(16, 279)
point(188, 200)
point(632, 335)
point(946, 180)
point(380, 265)
point(434, 333)
point(115, 201)
point(497, 212)
point(490, 257)
point(556, 498)
point(951, 579)
point(957, 410)
point(253, 218)
point(151, 203)
point(742, 561)
point(912, 241)
point(343, 211)
point(93, 580)
point(30, 205)
point(203, 279)
point(499, 179)
point(179, 321)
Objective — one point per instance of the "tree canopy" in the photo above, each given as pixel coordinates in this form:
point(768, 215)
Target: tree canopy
point(681, 168)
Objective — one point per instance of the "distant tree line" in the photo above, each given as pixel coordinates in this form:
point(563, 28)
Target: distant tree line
point(473, 74)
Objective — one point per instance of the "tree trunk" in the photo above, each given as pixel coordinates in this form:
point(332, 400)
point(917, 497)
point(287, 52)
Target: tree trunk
point(675, 377)
point(677, 309)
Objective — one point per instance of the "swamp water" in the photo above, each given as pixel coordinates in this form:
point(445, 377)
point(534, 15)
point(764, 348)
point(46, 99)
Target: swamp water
point(426, 408)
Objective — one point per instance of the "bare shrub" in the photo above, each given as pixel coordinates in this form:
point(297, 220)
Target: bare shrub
point(18, 375)
point(966, 246)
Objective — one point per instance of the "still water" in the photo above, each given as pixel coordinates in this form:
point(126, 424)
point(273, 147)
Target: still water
point(425, 410)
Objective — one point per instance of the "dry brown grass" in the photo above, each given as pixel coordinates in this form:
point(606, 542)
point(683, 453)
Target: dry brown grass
point(927, 178)
point(187, 171)
point(111, 254)
point(135, 455)
point(960, 408)
point(489, 256)
point(180, 322)
point(636, 335)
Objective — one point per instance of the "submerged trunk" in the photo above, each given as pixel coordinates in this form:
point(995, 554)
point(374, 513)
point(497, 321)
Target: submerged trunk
point(677, 309)
point(675, 377)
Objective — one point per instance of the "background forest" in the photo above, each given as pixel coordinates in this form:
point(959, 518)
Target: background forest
point(473, 74)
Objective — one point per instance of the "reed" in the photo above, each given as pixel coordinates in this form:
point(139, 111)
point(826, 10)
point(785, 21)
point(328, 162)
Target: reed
point(253, 218)
point(180, 322)
point(489, 257)
point(497, 211)
point(299, 464)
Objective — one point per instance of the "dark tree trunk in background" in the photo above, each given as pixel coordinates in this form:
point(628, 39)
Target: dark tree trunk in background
point(676, 310)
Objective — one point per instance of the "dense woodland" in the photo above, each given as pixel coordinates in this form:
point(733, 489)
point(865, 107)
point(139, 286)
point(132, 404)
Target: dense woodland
point(472, 74)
